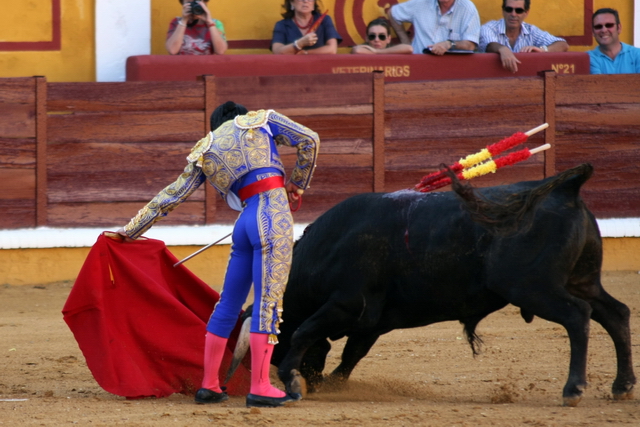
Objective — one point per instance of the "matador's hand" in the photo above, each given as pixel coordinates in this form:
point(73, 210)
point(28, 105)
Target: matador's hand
point(293, 192)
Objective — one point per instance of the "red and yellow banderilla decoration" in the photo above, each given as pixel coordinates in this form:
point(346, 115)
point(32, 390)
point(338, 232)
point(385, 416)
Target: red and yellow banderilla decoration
point(482, 162)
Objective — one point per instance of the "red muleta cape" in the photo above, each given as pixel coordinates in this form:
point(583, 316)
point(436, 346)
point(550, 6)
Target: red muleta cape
point(140, 322)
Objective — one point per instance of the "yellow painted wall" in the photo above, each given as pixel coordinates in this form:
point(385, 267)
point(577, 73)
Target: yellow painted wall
point(74, 62)
point(244, 20)
point(41, 266)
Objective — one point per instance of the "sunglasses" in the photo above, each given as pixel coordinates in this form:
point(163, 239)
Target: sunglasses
point(510, 9)
point(608, 25)
point(382, 37)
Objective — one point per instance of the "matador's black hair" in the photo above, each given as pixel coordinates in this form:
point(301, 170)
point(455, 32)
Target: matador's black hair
point(225, 112)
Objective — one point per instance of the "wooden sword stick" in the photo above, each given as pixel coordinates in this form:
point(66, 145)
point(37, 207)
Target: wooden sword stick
point(202, 250)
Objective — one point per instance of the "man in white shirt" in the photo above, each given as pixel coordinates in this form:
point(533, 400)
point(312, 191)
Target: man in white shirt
point(440, 25)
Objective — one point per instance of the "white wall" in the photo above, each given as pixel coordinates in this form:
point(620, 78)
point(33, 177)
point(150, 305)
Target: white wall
point(123, 29)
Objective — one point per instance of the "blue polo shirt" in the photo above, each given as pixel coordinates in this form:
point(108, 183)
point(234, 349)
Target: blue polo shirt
point(626, 62)
point(286, 32)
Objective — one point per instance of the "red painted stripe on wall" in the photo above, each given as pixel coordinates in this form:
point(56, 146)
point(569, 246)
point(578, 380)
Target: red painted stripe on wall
point(53, 44)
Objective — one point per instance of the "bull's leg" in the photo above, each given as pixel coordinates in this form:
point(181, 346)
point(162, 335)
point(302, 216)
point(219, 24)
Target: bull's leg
point(572, 313)
point(313, 364)
point(329, 320)
point(614, 318)
point(357, 347)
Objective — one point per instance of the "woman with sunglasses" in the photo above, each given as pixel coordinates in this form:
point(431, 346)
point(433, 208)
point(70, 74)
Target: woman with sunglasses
point(378, 40)
point(304, 30)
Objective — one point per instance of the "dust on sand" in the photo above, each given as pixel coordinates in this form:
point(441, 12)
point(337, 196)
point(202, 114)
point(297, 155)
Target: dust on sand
point(425, 376)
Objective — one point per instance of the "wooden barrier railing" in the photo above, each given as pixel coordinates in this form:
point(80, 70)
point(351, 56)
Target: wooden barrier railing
point(91, 154)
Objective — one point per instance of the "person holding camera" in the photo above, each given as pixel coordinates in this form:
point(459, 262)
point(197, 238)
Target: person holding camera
point(195, 32)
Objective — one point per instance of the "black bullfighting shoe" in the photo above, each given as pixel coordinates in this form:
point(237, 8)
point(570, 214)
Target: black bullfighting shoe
point(204, 395)
point(253, 400)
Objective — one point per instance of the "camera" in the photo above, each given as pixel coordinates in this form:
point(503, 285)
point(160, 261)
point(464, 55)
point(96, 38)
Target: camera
point(196, 9)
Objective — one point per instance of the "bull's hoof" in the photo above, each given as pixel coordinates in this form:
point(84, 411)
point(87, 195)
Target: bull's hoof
point(624, 391)
point(572, 394)
point(571, 401)
point(297, 385)
point(628, 395)
point(623, 396)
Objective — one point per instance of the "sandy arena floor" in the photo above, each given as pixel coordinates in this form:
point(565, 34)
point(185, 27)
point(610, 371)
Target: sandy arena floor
point(421, 377)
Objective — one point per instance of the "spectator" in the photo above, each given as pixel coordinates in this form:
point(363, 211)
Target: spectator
point(195, 34)
point(378, 40)
point(611, 56)
point(512, 35)
point(292, 35)
point(457, 24)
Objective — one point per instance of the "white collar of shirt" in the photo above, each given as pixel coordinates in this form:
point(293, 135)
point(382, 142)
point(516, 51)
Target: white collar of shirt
point(449, 12)
point(502, 28)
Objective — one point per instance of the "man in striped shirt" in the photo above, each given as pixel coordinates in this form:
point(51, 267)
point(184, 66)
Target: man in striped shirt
point(512, 35)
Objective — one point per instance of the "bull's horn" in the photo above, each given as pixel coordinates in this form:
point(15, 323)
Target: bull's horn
point(242, 345)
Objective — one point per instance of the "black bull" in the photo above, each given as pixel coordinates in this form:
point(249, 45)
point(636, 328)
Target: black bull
point(378, 262)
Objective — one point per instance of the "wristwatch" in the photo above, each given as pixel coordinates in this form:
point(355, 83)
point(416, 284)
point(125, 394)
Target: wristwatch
point(453, 44)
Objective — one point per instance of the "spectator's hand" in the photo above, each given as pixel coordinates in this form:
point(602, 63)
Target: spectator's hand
point(186, 11)
point(207, 16)
point(530, 49)
point(508, 59)
point(440, 48)
point(308, 39)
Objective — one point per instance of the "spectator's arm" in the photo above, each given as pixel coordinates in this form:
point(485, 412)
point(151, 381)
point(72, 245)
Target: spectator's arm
point(399, 29)
point(507, 57)
point(283, 49)
point(331, 47)
point(559, 46)
point(465, 45)
point(217, 39)
point(174, 42)
point(399, 48)
point(363, 49)
point(366, 49)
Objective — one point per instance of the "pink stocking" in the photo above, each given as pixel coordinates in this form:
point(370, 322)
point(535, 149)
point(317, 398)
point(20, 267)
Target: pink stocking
point(261, 352)
point(213, 351)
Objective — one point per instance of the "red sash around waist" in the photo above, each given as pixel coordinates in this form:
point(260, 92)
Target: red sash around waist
point(260, 186)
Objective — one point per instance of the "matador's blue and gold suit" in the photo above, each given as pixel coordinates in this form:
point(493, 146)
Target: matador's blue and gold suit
point(233, 158)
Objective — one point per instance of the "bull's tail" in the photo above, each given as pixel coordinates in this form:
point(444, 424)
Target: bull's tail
point(242, 346)
point(515, 210)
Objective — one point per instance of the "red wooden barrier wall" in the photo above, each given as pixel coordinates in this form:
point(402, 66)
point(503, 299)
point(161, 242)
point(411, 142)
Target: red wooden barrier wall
point(92, 154)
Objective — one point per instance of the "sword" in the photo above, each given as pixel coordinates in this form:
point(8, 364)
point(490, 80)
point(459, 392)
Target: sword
point(202, 250)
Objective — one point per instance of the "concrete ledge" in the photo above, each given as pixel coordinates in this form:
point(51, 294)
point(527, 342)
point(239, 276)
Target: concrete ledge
point(43, 255)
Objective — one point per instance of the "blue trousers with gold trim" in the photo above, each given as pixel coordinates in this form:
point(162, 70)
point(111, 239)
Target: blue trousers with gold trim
point(260, 253)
